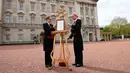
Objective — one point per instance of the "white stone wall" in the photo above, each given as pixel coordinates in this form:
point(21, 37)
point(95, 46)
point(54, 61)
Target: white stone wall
point(38, 12)
point(14, 34)
point(0, 22)
point(1, 9)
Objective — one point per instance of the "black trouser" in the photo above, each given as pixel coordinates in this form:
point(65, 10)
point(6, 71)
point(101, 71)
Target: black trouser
point(78, 50)
point(48, 46)
point(48, 60)
point(78, 56)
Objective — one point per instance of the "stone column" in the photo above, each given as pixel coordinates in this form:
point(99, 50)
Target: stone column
point(1, 21)
point(110, 36)
point(107, 36)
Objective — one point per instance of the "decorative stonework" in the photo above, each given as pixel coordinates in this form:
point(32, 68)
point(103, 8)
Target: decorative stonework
point(9, 0)
point(8, 12)
point(38, 15)
point(21, 1)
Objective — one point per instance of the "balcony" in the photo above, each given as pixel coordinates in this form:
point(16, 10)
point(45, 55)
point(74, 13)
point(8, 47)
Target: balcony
point(22, 25)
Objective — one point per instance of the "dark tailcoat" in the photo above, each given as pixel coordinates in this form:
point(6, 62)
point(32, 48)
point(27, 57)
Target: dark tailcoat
point(77, 41)
point(48, 42)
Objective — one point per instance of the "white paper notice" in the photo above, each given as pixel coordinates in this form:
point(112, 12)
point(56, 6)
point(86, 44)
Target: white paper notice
point(60, 25)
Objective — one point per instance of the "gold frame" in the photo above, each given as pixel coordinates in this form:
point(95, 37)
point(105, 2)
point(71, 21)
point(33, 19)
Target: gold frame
point(62, 49)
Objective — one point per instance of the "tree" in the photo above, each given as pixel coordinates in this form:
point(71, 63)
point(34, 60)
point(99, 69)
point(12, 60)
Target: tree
point(126, 30)
point(118, 24)
point(106, 29)
point(119, 21)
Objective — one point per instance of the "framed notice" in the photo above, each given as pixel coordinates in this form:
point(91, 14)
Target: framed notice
point(60, 24)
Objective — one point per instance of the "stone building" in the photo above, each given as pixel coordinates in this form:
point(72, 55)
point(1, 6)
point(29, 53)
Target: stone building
point(107, 36)
point(21, 20)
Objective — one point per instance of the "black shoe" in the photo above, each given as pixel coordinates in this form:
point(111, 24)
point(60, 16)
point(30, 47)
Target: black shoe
point(74, 64)
point(49, 67)
point(79, 65)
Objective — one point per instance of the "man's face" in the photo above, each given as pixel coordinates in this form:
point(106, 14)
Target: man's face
point(74, 17)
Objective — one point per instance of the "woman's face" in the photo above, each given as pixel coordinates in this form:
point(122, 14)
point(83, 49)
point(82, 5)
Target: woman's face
point(49, 20)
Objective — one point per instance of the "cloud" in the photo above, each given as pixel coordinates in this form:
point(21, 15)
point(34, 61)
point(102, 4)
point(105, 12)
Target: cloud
point(108, 9)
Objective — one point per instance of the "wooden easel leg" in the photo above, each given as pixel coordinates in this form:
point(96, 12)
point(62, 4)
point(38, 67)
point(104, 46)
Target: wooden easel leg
point(67, 65)
point(53, 59)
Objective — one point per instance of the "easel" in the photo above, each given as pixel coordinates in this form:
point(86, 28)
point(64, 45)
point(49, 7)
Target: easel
point(62, 61)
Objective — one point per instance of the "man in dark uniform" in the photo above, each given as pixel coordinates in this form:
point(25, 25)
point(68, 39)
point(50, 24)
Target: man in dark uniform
point(77, 41)
point(48, 40)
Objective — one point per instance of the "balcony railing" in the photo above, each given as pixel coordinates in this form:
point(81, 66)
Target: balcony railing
point(23, 25)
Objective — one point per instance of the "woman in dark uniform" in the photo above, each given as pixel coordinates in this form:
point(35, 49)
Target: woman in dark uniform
point(48, 40)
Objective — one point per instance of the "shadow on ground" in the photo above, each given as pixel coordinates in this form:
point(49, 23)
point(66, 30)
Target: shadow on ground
point(104, 70)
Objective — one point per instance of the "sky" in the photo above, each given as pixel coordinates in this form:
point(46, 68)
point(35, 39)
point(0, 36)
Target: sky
point(108, 9)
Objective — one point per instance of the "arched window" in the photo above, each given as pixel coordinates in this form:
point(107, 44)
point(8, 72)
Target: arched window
point(70, 20)
point(93, 21)
point(33, 4)
point(53, 19)
point(87, 20)
point(43, 7)
point(92, 12)
point(8, 17)
point(9, 4)
point(87, 10)
point(32, 18)
point(70, 10)
point(43, 18)
point(53, 8)
point(82, 20)
point(21, 4)
point(20, 17)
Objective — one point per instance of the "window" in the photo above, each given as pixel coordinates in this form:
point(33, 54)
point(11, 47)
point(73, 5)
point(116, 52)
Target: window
point(20, 18)
point(82, 20)
point(48, 9)
point(32, 36)
point(32, 6)
point(70, 10)
point(7, 29)
point(48, 0)
point(92, 12)
point(53, 8)
point(43, 18)
point(87, 10)
point(43, 7)
point(21, 5)
point(62, 7)
point(32, 18)
point(61, 2)
point(70, 20)
point(20, 37)
point(88, 21)
point(20, 29)
point(7, 37)
point(66, 2)
point(93, 21)
point(53, 1)
point(81, 11)
point(8, 18)
point(9, 4)
point(54, 19)
point(32, 30)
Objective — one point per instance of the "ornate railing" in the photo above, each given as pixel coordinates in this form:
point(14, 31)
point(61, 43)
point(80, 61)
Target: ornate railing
point(23, 25)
